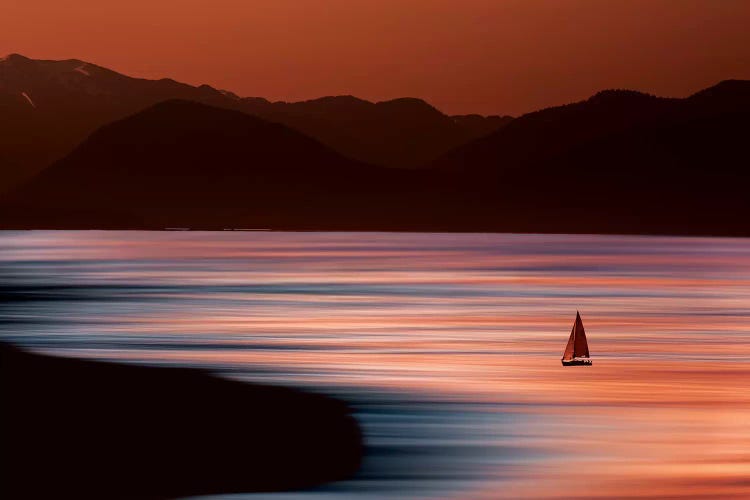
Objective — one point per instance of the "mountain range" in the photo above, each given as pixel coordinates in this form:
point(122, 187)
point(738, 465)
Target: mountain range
point(181, 163)
point(618, 162)
point(49, 107)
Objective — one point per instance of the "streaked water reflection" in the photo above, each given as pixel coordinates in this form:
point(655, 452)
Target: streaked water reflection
point(447, 345)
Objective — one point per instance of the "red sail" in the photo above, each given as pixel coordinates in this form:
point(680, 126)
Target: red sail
point(581, 349)
point(568, 354)
point(577, 346)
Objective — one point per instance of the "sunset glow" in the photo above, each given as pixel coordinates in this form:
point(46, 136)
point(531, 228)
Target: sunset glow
point(375, 249)
point(476, 56)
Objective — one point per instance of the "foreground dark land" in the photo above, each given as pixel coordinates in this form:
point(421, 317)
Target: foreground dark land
point(84, 429)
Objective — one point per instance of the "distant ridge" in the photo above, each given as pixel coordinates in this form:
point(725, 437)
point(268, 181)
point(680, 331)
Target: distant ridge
point(405, 132)
point(71, 98)
point(541, 135)
point(48, 107)
point(618, 162)
point(183, 164)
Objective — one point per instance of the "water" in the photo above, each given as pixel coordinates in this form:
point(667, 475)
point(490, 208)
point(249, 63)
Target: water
point(446, 345)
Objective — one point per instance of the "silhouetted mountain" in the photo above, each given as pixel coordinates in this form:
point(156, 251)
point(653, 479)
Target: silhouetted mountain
point(689, 177)
point(619, 162)
point(90, 430)
point(540, 136)
point(180, 163)
point(728, 96)
point(48, 107)
point(403, 132)
point(480, 126)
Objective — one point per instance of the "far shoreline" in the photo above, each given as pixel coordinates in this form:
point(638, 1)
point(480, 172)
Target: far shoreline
point(654, 234)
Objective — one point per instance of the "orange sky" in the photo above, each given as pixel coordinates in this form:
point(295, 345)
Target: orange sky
point(486, 56)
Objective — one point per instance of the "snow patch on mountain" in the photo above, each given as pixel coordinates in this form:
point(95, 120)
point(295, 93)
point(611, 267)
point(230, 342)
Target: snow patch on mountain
point(29, 99)
point(229, 94)
point(82, 69)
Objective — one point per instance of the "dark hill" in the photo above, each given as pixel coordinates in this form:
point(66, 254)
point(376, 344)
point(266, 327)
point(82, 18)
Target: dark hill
point(404, 132)
point(49, 107)
point(180, 163)
point(479, 125)
point(686, 177)
point(620, 161)
point(728, 95)
point(539, 137)
point(90, 430)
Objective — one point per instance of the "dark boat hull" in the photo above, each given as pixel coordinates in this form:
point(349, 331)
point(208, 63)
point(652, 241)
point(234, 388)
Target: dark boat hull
point(577, 362)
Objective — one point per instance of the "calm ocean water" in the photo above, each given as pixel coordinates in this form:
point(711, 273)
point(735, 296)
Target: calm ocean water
point(447, 345)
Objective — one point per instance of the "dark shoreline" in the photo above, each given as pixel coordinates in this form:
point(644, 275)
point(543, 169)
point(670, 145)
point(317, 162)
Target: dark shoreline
point(88, 429)
point(665, 234)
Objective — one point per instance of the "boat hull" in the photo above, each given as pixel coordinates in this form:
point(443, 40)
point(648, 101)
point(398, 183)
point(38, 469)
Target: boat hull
point(576, 362)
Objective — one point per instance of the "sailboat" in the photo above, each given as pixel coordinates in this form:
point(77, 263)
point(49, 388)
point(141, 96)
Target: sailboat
point(577, 351)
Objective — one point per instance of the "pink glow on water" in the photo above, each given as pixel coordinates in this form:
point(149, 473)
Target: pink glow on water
point(473, 325)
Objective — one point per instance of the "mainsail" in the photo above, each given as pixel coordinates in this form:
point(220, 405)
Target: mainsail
point(577, 346)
